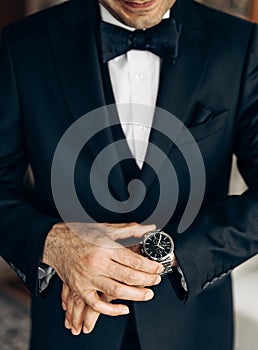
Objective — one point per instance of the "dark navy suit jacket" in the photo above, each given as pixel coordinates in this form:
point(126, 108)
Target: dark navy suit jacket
point(50, 75)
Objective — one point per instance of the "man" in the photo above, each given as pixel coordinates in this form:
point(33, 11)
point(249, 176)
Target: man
point(52, 73)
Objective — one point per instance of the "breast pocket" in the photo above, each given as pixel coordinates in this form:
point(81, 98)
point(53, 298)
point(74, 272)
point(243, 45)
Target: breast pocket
point(204, 130)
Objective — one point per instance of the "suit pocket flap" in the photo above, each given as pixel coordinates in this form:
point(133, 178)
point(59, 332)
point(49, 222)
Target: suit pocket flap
point(201, 131)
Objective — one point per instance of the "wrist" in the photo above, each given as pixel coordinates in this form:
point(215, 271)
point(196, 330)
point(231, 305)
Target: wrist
point(54, 244)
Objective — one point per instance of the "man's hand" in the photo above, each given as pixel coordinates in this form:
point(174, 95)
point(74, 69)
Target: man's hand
point(79, 316)
point(105, 268)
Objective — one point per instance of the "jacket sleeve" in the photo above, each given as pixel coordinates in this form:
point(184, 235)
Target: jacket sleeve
point(22, 228)
point(226, 233)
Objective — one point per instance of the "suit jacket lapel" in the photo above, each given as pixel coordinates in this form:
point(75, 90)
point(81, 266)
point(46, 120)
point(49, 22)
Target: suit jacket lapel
point(123, 171)
point(74, 43)
point(179, 82)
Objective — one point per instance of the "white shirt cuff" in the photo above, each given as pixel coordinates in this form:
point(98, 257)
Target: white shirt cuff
point(45, 274)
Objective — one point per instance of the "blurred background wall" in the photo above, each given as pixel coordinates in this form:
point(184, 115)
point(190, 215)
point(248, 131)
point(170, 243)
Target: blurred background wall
point(11, 10)
point(242, 8)
point(14, 298)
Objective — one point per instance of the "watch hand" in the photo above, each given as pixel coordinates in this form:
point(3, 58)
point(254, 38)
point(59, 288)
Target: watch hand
point(159, 240)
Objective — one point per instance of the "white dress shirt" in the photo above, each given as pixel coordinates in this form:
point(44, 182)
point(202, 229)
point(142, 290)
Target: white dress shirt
point(135, 80)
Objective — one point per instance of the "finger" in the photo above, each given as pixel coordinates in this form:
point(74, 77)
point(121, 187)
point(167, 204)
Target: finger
point(105, 297)
point(120, 225)
point(77, 317)
point(138, 230)
point(137, 262)
point(96, 304)
point(118, 290)
point(91, 316)
point(131, 230)
point(65, 295)
point(130, 276)
point(90, 319)
point(69, 310)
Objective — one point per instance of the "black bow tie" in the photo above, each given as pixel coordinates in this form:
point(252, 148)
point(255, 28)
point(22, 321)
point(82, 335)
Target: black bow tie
point(162, 40)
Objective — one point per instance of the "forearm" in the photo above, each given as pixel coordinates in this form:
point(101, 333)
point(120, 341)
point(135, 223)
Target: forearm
point(23, 233)
point(224, 236)
point(57, 242)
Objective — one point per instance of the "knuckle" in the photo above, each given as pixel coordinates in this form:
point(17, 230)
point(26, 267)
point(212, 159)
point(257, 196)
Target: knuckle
point(143, 279)
point(95, 259)
point(90, 260)
point(120, 255)
point(95, 305)
point(131, 278)
point(78, 301)
point(113, 290)
point(137, 263)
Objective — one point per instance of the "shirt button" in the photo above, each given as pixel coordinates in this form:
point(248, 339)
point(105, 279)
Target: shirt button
point(139, 76)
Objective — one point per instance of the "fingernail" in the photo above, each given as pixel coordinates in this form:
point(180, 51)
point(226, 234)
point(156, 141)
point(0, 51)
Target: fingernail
point(64, 306)
point(149, 295)
point(67, 324)
point(125, 311)
point(85, 330)
point(158, 280)
point(75, 332)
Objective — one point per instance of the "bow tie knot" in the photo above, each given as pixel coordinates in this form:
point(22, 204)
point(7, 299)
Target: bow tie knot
point(139, 38)
point(162, 40)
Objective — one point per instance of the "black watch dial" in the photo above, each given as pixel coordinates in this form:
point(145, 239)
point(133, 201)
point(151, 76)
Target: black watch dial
point(158, 245)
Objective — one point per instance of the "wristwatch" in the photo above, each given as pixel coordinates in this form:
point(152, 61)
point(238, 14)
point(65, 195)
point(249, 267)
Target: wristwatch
point(159, 246)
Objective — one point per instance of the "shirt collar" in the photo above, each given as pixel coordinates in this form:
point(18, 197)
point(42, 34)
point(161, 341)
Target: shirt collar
point(106, 16)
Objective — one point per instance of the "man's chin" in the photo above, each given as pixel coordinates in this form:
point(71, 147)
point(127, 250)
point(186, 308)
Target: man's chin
point(139, 14)
point(140, 21)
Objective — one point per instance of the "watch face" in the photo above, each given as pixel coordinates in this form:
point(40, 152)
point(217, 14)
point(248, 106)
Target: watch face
point(158, 245)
